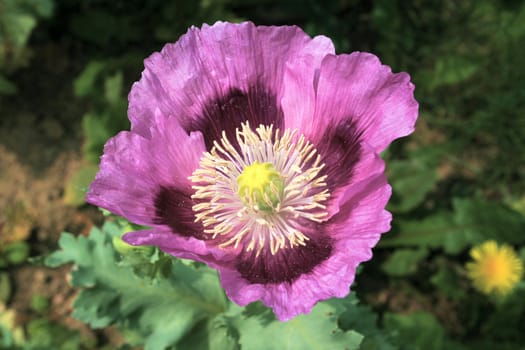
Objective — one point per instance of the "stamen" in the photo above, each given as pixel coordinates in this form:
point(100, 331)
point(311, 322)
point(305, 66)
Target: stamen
point(251, 196)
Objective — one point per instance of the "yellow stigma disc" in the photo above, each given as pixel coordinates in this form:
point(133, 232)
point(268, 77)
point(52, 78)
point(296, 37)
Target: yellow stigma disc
point(260, 186)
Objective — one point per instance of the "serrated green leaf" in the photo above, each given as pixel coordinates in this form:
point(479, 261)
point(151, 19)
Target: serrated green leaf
point(163, 311)
point(361, 318)
point(44, 334)
point(97, 307)
point(192, 294)
point(73, 249)
point(403, 262)
point(214, 334)
point(317, 330)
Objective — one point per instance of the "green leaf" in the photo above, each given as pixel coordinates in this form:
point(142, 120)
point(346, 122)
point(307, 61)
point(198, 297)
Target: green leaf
point(18, 26)
point(471, 222)
point(505, 321)
point(96, 133)
point(448, 282)
point(411, 181)
point(98, 127)
point(113, 89)
point(39, 303)
point(317, 330)
point(16, 252)
point(162, 311)
point(435, 231)
point(73, 249)
point(44, 334)
point(84, 84)
point(418, 331)
point(489, 220)
point(403, 262)
point(362, 319)
point(452, 70)
point(211, 334)
point(43, 8)
point(18, 18)
point(521, 254)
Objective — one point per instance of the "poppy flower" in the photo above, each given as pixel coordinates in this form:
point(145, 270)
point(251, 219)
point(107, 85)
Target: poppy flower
point(255, 149)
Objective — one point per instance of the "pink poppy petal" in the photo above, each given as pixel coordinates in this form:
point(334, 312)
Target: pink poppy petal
point(133, 169)
point(355, 230)
point(358, 87)
point(176, 245)
point(209, 72)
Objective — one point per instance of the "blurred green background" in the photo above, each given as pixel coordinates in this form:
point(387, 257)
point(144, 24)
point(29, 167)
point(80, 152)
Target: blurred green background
point(66, 67)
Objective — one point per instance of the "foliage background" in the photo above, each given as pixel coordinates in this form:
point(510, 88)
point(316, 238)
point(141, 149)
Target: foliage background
point(65, 69)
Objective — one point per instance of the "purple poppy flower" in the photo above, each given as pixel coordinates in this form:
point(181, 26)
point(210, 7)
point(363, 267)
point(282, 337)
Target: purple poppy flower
point(255, 150)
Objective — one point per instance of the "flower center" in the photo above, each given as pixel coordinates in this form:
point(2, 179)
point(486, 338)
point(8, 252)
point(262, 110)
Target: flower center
point(260, 186)
point(261, 193)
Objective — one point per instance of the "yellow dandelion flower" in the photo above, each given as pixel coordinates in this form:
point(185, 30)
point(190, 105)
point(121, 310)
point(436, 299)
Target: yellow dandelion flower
point(495, 269)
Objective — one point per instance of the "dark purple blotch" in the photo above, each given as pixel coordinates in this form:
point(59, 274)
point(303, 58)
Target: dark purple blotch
point(173, 208)
point(287, 264)
point(340, 150)
point(226, 113)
